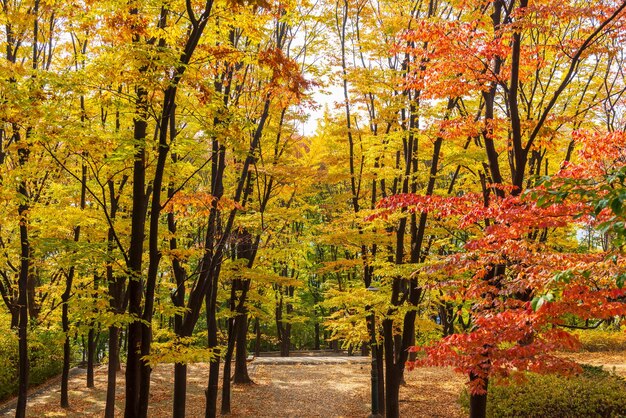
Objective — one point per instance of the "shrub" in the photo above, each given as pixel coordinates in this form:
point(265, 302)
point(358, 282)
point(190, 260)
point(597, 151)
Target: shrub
point(45, 356)
point(8, 364)
point(594, 393)
point(602, 340)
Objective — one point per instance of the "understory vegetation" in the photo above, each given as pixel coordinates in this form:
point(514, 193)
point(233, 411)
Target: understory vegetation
point(430, 182)
point(594, 392)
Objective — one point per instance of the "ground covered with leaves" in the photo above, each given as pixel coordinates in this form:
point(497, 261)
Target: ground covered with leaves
point(282, 390)
point(321, 390)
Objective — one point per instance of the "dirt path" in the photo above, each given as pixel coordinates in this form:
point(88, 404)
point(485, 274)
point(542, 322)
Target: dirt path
point(324, 389)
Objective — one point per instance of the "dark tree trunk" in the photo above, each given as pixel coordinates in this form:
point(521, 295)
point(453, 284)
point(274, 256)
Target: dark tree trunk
point(478, 403)
point(283, 326)
point(25, 252)
point(22, 393)
point(381, 379)
point(245, 248)
point(109, 411)
point(178, 298)
point(225, 409)
point(317, 336)
point(65, 403)
point(257, 340)
point(180, 390)
point(212, 389)
point(91, 352)
point(214, 367)
point(15, 318)
point(285, 342)
point(241, 353)
point(392, 392)
point(67, 352)
point(23, 364)
point(392, 377)
point(135, 284)
point(65, 373)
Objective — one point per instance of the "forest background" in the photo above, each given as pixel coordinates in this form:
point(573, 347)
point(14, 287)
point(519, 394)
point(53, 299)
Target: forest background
point(164, 199)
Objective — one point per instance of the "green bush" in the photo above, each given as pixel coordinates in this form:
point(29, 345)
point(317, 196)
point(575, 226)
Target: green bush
point(8, 364)
point(602, 340)
point(45, 356)
point(594, 393)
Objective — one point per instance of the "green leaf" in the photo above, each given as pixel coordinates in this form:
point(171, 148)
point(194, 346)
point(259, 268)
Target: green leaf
point(539, 301)
point(620, 280)
point(616, 206)
point(563, 276)
point(602, 203)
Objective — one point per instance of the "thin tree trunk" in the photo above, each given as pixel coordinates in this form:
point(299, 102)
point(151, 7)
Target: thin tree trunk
point(65, 373)
point(225, 409)
point(109, 410)
point(257, 341)
point(214, 369)
point(381, 379)
point(25, 251)
point(317, 336)
point(91, 348)
point(23, 364)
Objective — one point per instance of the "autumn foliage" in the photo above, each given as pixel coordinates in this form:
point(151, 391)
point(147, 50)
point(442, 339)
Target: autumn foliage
point(517, 288)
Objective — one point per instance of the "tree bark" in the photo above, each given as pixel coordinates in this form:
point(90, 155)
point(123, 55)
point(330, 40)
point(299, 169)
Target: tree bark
point(180, 390)
point(214, 366)
point(257, 340)
point(241, 357)
point(109, 410)
point(478, 403)
point(135, 284)
point(316, 343)
point(92, 341)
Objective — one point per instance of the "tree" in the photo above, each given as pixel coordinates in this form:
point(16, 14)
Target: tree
point(531, 96)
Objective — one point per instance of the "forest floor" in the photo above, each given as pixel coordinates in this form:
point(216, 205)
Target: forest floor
point(300, 387)
point(324, 387)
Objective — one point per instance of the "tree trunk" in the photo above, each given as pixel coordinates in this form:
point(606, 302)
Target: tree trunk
point(65, 402)
point(381, 379)
point(392, 376)
point(285, 342)
point(214, 367)
point(257, 341)
point(225, 409)
point(478, 403)
point(22, 393)
point(212, 389)
point(241, 353)
point(180, 390)
point(317, 336)
point(135, 284)
point(109, 410)
point(91, 348)
point(392, 392)
point(23, 364)
point(22, 300)
point(229, 355)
